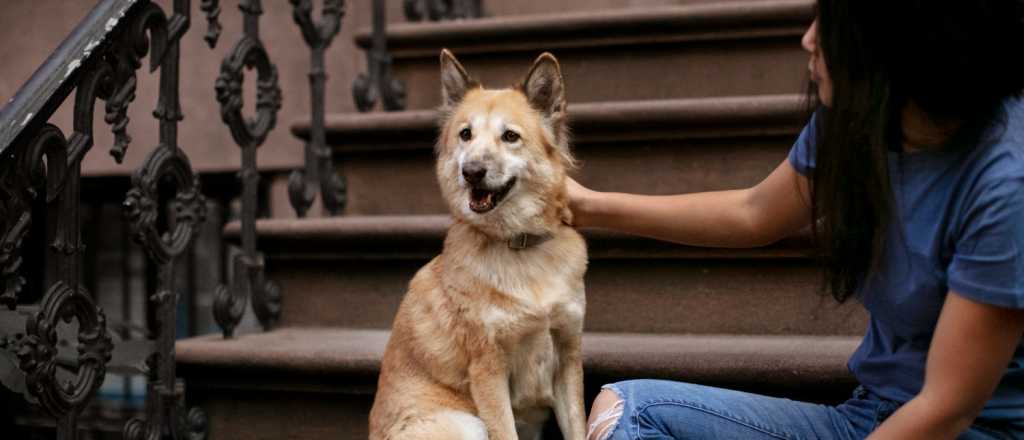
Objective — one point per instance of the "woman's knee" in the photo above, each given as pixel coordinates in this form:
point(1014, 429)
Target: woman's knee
point(604, 414)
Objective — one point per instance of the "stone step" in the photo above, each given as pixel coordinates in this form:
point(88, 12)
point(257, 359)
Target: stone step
point(708, 49)
point(496, 8)
point(353, 272)
point(649, 147)
point(315, 383)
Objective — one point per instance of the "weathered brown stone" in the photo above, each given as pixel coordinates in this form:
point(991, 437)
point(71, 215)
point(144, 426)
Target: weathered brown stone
point(318, 383)
point(648, 147)
point(712, 49)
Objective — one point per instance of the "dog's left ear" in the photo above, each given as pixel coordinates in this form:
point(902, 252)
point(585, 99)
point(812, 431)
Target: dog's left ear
point(544, 87)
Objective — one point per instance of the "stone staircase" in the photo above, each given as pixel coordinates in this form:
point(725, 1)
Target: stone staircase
point(664, 99)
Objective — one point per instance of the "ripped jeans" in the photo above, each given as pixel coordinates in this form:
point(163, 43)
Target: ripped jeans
point(665, 410)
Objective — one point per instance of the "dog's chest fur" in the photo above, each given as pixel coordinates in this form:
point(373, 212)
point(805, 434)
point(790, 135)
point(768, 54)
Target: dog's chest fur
point(543, 288)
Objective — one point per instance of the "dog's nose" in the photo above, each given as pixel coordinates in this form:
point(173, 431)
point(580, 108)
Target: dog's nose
point(474, 172)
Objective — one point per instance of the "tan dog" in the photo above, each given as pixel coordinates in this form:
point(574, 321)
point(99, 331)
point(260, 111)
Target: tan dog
point(486, 344)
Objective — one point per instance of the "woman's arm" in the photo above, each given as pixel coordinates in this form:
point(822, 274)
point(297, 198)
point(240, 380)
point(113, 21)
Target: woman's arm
point(757, 216)
point(971, 348)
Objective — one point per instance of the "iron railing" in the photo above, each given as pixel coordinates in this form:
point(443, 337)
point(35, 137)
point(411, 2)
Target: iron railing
point(435, 10)
point(39, 165)
point(41, 196)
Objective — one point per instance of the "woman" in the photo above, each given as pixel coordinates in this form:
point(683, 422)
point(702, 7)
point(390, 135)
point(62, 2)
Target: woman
point(913, 168)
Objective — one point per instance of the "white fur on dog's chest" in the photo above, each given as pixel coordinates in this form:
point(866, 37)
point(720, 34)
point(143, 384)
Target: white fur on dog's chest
point(548, 297)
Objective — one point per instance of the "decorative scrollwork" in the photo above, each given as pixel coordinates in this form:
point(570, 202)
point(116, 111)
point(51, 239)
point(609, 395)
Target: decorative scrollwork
point(15, 220)
point(318, 35)
point(148, 30)
point(377, 84)
point(250, 53)
point(248, 280)
point(10, 260)
point(229, 302)
point(23, 181)
point(212, 10)
point(117, 117)
point(193, 426)
point(436, 10)
point(319, 173)
point(37, 352)
point(197, 424)
point(45, 166)
point(143, 199)
point(266, 295)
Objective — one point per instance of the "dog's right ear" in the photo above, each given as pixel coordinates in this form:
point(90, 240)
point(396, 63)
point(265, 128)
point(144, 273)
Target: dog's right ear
point(455, 82)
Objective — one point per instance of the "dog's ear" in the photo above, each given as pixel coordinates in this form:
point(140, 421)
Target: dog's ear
point(545, 90)
point(544, 87)
point(455, 82)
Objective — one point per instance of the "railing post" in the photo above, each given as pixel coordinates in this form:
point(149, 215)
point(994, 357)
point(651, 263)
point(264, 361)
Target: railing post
point(319, 172)
point(248, 277)
point(377, 84)
point(436, 10)
point(98, 61)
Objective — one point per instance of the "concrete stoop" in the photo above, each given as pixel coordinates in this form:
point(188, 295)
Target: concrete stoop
point(318, 383)
point(712, 49)
point(665, 146)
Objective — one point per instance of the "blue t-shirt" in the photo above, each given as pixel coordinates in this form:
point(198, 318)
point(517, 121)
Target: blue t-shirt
point(958, 224)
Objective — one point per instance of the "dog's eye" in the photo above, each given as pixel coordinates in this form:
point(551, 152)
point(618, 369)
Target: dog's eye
point(510, 136)
point(466, 134)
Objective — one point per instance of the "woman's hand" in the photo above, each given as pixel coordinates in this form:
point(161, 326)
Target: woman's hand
point(580, 199)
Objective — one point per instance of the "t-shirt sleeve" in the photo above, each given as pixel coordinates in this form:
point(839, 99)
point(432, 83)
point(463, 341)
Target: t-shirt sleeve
point(988, 260)
point(802, 155)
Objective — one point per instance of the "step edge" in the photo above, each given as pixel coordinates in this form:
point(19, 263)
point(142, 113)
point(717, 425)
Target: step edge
point(709, 117)
point(197, 353)
point(420, 237)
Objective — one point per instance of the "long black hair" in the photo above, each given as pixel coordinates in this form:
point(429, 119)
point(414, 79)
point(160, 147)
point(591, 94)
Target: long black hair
point(954, 59)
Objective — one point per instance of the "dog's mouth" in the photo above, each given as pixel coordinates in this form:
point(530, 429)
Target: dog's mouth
point(482, 200)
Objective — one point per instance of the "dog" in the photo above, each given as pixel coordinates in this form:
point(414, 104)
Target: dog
point(486, 342)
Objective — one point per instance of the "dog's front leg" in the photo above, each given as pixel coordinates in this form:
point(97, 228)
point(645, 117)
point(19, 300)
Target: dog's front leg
point(569, 386)
point(488, 384)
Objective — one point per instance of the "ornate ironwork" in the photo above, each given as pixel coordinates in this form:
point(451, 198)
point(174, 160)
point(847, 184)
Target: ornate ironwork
point(319, 172)
point(37, 353)
point(436, 10)
point(166, 166)
point(212, 10)
point(15, 220)
point(248, 277)
point(37, 163)
point(377, 84)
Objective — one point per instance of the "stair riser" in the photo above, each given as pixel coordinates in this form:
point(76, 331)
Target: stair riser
point(256, 414)
point(771, 297)
point(661, 71)
point(404, 182)
point(269, 415)
point(500, 8)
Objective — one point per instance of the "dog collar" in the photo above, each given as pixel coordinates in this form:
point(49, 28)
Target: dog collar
point(523, 241)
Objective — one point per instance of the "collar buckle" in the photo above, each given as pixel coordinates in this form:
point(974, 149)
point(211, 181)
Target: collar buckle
point(519, 242)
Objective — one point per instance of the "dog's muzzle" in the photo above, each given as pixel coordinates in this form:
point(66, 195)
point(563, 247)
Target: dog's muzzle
point(483, 198)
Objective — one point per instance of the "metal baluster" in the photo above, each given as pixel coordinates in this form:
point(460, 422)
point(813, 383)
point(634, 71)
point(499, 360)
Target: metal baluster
point(249, 279)
point(166, 163)
point(319, 172)
point(377, 84)
point(436, 10)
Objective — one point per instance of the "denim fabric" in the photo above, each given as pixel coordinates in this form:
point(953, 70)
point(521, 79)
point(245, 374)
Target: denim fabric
point(665, 410)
